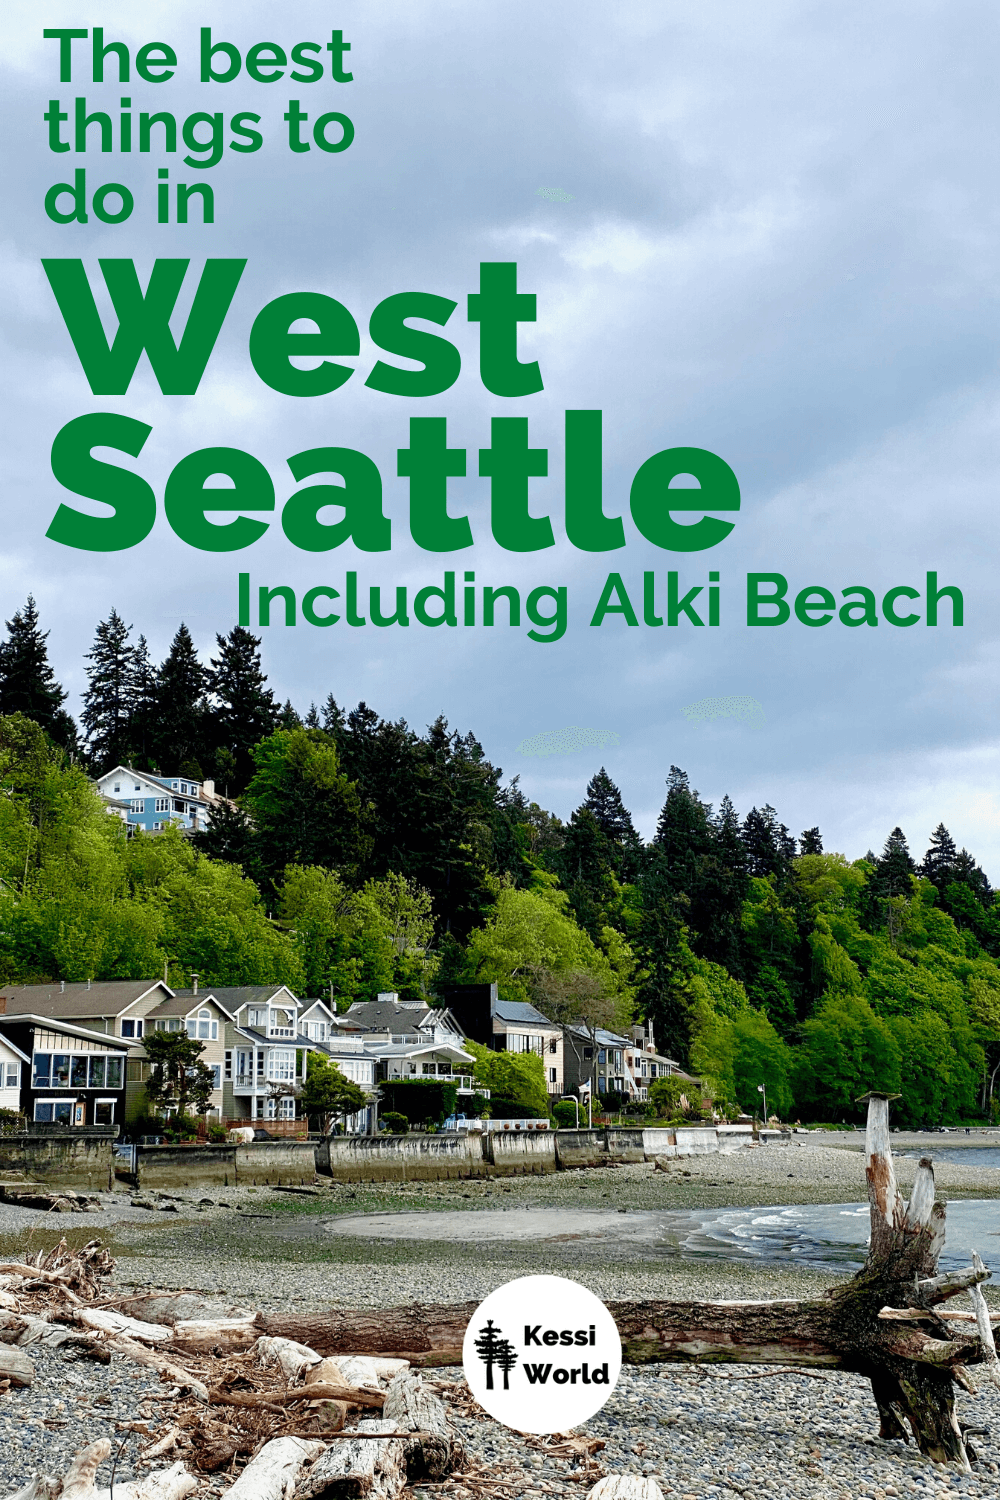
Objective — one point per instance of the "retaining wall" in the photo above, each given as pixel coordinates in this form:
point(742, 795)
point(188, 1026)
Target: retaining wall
point(402, 1158)
point(624, 1145)
point(173, 1167)
point(275, 1162)
point(579, 1148)
point(73, 1158)
point(515, 1155)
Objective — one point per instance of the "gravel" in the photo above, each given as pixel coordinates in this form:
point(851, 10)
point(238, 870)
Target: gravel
point(701, 1432)
point(697, 1431)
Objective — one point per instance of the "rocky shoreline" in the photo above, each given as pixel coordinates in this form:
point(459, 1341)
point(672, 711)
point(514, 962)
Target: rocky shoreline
point(724, 1431)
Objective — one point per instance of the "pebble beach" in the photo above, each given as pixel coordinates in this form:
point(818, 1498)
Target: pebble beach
point(722, 1431)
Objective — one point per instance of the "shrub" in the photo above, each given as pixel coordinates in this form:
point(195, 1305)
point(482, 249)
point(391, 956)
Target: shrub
point(10, 1120)
point(564, 1114)
point(218, 1134)
point(398, 1124)
point(421, 1101)
point(514, 1109)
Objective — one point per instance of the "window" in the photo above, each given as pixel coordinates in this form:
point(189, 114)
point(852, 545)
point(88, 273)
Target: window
point(216, 1076)
point(131, 1028)
point(286, 1110)
point(178, 805)
point(281, 1065)
point(53, 1111)
point(78, 1073)
point(42, 1070)
point(98, 1070)
point(162, 804)
point(104, 1112)
point(138, 805)
point(256, 1016)
point(553, 1044)
point(114, 1080)
point(260, 1063)
point(588, 1053)
point(13, 1072)
point(602, 1084)
point(602, 1055)
point(552, 1075)
point(229, 1063)
point(60, 1070)
point(183, 786)
point(118, 786)
point(521, 1042)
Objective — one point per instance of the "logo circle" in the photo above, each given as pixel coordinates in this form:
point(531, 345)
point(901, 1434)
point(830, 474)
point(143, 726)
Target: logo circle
point(542, 1354)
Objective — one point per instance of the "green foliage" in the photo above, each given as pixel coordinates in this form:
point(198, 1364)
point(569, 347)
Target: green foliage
point(564, 1112)
point(394, 1122)
point(178, 1076)
point(423, 1101)
point(846, 1050)
point(11, 1121)
point(515, 1076)
point(327, 1093)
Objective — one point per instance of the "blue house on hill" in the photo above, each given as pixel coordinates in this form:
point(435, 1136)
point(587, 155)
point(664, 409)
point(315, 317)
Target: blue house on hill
point(147, 801)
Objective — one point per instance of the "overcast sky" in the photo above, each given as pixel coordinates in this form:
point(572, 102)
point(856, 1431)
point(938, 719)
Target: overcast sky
point(774, 238)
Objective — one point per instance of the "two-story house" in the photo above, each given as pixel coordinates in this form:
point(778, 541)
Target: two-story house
point(643, 1064)
point(410, 1040)
point(199, 1013)
point(507, 1026)
point(57, 1073)
point(153, 801)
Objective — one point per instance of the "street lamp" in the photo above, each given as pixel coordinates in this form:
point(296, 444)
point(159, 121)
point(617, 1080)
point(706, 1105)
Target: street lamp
point(576, 1105)
point(761, 1090)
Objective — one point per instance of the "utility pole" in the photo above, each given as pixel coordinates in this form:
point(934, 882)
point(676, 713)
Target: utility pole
point(761, 1090)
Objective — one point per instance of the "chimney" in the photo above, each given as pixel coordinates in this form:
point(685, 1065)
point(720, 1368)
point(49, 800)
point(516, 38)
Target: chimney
point(208, 789)
point(194, 983)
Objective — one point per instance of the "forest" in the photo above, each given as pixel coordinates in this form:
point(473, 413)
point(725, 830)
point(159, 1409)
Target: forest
point(360, 855)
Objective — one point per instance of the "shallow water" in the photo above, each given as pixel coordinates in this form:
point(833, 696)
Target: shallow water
point(822, 1236)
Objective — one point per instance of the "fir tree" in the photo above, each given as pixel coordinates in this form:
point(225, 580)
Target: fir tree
point(181, 710)
point(604, 801)
point(142, 730)
point(894, 866)
point(311, 720)
point(109, 699)
point(768, 844)
point(27, 682)
point(288, 718)
point(245, 710)
point(939, 861)
point(810, 841)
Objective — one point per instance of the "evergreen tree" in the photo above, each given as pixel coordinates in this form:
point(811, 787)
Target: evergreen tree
point(27, 682)
point(142, 729)
point(288, 718)
point(894, 867)
point(604, 801)
point(810, 841)
point(109, 699)
point(768, 844)
point(245, 711)
point(311, 720)
point(181, 710)
point(939, 861)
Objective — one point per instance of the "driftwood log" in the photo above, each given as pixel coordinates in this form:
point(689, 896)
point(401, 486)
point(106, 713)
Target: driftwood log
point(885, 1323)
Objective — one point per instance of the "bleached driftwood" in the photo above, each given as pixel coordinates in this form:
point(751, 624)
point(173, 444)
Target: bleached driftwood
point(413, 1408)
point(369, 1467)
point(165, 1484)
point(113, 1322)
point(204, 1335)
point(294, 1360)
point(273, 1473)
point(353, 1395)
point(79, 1482)
point(626, 1487)
point(15, 1366)
point(152, 1358)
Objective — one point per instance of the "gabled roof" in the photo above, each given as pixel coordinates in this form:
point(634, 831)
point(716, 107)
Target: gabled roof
point(99, 998)
point(119, 1044)
point(310, 1005)
point(233, 997)
point(11, 1048)
point(386, 1015)
point(186, 1003)
point(520, 1010)
point(159, 783)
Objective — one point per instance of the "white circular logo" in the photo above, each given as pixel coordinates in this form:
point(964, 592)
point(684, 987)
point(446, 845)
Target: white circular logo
point(542, 1354)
